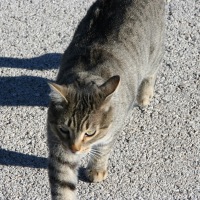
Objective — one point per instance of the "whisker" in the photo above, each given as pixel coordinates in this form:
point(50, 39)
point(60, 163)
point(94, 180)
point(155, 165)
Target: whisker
point(96, 151)
point(96, 154)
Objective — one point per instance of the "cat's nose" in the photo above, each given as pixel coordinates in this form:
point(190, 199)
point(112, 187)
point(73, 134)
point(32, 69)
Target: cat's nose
point(75, 148)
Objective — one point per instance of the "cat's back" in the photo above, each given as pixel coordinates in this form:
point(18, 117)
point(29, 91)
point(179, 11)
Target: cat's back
point(108, 20)
point(142, 33)
point(130, 30)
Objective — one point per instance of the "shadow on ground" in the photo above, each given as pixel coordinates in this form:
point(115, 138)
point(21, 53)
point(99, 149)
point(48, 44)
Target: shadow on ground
point(44, 62)
point(12, 158)
point(23, 160)
point(26, 90)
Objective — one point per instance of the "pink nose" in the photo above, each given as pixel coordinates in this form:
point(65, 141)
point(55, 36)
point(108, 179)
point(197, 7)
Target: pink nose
point(75, 148)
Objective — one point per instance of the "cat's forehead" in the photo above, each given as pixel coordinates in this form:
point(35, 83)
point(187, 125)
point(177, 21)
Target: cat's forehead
point(83, 105)
point(81, 116)
point(86, 97)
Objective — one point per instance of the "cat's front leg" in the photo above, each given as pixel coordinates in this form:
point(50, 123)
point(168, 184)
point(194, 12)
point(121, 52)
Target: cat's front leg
point(97, 169)
point(62, 170)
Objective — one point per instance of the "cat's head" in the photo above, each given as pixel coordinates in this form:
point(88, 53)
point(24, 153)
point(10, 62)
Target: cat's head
point(81, 115)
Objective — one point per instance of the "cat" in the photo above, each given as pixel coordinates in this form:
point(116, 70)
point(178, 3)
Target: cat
point(110, 64)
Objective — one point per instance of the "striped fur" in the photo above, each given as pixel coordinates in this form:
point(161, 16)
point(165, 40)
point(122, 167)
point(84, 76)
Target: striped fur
point(110, 64)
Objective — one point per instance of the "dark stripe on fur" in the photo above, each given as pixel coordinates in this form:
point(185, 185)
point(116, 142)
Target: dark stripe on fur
point(53, 168)
point(63, 162)
point(83, 121)
point(63, 184)
point(55, 193)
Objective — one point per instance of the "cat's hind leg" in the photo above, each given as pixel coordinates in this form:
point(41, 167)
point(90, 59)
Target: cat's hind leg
point(146, 90)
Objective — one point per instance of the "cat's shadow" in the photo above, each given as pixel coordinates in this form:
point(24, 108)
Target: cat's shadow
point(26, 90)
point(43, 62)
point(82, 175)
point(12, 158)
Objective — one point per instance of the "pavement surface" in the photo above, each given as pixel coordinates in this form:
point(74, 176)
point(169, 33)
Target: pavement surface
point(157, 156)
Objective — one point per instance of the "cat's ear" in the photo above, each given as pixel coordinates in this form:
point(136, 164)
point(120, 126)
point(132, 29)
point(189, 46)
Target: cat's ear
point(58, 93)
point(110, 85)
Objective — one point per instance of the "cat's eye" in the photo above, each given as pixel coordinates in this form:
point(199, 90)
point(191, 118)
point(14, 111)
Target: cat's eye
point(90, 133)
point(65, 131)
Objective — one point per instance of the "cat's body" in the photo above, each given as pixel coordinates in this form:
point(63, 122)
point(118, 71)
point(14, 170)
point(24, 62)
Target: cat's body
point(110, 64)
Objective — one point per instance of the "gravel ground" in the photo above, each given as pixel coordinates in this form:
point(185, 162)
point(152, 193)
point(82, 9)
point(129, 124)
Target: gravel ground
point(158, 154)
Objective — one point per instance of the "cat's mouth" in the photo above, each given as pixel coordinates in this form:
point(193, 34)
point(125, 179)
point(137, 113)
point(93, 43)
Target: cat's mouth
point(82, 151)
point(74, 150)
point(87, 150)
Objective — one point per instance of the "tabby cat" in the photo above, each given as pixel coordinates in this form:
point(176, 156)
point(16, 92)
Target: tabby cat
point(110, 64)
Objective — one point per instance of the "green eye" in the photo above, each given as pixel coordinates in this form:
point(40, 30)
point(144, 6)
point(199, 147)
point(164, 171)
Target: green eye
point(90, 133)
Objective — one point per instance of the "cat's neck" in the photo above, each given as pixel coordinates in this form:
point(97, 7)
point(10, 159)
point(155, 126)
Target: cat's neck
point(87, 77)
point(82, 77)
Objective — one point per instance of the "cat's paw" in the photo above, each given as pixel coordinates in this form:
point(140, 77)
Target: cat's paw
point(145, 97)
point(144, 100)
point(97, 176)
